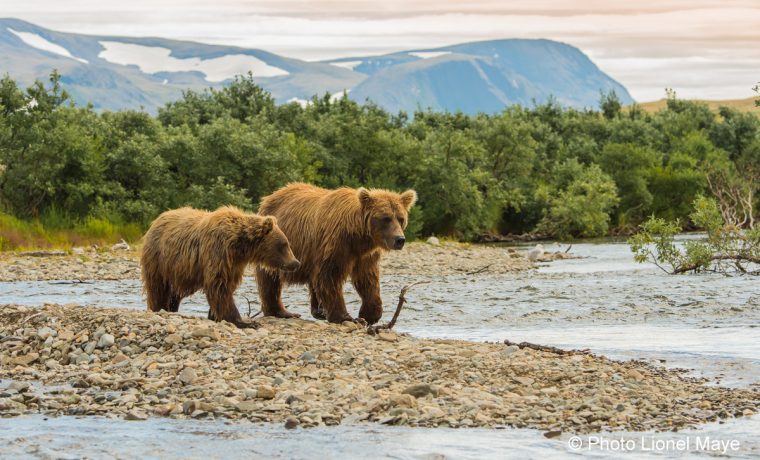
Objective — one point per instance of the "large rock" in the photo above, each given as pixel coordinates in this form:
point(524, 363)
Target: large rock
point(26, 360)
point(420, 390)
point(265, 392)
point(105, 341)
point(188, 376)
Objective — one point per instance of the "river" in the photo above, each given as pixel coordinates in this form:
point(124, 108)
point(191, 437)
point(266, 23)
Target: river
point(708, 325)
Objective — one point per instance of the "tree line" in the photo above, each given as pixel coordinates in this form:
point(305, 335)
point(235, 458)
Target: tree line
point(555, 171)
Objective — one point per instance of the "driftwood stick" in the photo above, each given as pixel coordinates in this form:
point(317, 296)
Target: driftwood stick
point(555, 350)
point(30, 317)
point(480, 270)
point(401, 301)
point(249, 308)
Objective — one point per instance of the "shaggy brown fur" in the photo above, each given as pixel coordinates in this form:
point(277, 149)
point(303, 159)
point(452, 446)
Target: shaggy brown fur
point(336, 234)
point(186, 250)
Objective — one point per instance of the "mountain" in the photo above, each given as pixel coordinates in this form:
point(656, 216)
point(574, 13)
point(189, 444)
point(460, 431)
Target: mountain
point(126, 72)
point(483, 76)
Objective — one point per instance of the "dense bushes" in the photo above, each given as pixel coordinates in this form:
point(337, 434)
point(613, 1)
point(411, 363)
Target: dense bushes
point(565, 172)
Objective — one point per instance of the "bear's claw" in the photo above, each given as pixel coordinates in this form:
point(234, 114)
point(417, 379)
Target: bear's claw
point(286, 314)
point(361, 321)
point(242, 324)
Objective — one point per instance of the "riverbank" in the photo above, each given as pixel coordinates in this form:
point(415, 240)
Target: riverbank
point(72, 360)
point(416, 259)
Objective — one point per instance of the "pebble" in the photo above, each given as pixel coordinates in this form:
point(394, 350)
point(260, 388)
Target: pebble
point(387, 336)
point(173, 339)
point(511, 349)
point(526, 381)
point(121, 357)
point(120, 246)
point(265, 392)
point(302, 373)
point(207, 332)
point(188, 376)
point(26, 360)
point(19, 387)
point(420, 390)
point(45, 332)
point(417, 258)
point(308, 357)
point(135, 415)
point(402, 400)
point(106, 340)
point(292, 422)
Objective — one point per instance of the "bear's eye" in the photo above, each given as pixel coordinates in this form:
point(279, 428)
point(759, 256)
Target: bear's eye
point(401, 221)
point(387, 219)
point(282, 246)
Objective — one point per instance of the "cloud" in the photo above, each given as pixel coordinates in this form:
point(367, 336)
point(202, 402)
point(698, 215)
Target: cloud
point(701, 48)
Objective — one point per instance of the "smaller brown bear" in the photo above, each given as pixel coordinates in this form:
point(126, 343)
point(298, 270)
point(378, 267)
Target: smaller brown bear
point(187, 249)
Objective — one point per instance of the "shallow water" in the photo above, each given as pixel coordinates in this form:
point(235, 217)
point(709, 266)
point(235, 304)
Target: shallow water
point(97, 437)
point(605, 302)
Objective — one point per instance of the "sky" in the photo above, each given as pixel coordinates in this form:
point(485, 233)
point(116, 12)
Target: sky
point(702, 49)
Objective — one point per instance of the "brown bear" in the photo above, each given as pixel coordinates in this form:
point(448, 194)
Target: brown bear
point(336, 234)
point(187, 249)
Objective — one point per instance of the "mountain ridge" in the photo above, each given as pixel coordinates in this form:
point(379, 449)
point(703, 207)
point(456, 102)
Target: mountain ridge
point(121, 72)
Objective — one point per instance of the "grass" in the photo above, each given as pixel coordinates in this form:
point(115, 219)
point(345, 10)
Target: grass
point(744, 105)
point(56, 231)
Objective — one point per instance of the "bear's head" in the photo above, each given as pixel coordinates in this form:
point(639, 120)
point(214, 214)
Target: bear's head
point(386, 215)
point(272, 248)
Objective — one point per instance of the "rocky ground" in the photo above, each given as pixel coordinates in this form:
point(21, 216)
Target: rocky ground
point(415, 259)
point(72, 360)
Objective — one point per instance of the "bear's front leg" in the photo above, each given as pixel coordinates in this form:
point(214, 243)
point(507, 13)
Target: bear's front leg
point(365, 277)
point(328, 288)
point(222, 308)
point(270, 294)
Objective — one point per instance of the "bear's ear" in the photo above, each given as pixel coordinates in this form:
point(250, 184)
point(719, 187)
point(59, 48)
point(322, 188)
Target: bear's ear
point(408, 198)
point(364, 197)
point(268, 225)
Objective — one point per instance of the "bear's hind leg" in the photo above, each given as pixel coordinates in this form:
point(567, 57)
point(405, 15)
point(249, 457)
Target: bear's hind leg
point(270, 293)
point(328, 287)
point(158, 292)
point(174, 300)
point(222, 308)
point(316, 309)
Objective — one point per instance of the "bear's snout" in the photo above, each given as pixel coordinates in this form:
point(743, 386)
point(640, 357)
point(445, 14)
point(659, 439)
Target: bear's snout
point(398, 242)
point(291, 266)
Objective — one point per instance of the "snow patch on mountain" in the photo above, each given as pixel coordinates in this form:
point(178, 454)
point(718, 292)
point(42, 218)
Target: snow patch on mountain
point(347, 64)
point(41, 43)
point(154, 59)
point(428, 54)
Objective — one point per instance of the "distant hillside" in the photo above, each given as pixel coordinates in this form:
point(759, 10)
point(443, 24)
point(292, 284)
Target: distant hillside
point(126, 72)
point(483, 76)
point(745, 105)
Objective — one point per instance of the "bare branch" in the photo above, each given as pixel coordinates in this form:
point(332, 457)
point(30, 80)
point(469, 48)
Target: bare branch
point(480, 270)
point(401, 301)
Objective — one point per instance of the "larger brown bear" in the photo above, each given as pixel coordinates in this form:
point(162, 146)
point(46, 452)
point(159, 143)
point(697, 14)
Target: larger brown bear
point(336, 234)
point(186, 250)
